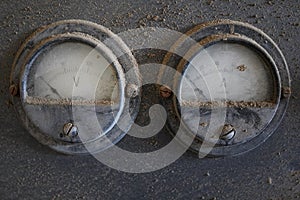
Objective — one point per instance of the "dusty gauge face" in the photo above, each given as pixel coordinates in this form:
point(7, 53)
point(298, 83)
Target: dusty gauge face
point(232, 91)
point(72, 86)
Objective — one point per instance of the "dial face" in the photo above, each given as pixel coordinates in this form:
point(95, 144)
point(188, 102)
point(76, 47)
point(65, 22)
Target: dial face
point(72, 77)
point(232, 79)
point(228, 71)
point(74, 66)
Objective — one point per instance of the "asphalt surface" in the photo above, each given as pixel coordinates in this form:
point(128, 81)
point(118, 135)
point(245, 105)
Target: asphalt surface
point(29, 170)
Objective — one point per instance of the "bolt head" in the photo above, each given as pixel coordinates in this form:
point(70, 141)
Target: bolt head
point(228, 132)
point(70, 129)
point(165, 91)
point(13, 90)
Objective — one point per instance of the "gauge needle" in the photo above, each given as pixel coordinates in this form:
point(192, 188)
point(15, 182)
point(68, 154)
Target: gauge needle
point(76, 82)
point(52, 88)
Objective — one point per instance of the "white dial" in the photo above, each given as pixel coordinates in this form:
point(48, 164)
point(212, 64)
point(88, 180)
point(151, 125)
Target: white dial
point(227, 71)
point(74, 66)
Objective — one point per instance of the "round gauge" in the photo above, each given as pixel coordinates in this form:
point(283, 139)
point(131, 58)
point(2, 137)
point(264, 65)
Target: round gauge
point(232, 91)
point(71, 83)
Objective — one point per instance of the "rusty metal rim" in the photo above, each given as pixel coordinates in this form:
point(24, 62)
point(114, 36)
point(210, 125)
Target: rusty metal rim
point(182, 66)
point(73, 37)
point(89, 33)
point(281, 69)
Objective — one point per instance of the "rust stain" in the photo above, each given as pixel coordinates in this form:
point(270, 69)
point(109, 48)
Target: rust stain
point(45, 101)
point(242, 68)
point(228, 104)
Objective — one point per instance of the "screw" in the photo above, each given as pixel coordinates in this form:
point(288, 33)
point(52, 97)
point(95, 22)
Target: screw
point(132, 90)
point(286, 92)
point(228, 132)
point(165, 91)
point(13, 90)
point(70, 129)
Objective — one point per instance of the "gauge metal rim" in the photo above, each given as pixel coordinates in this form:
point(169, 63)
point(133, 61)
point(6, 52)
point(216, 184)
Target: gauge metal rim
point(91, 34)
point(222, 30)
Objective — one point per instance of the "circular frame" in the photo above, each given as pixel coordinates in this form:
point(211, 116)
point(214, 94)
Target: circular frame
point(227, 30)
point(111, 46)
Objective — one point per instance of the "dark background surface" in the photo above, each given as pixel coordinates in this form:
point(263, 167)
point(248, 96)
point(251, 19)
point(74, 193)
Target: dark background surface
point(29, 170)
